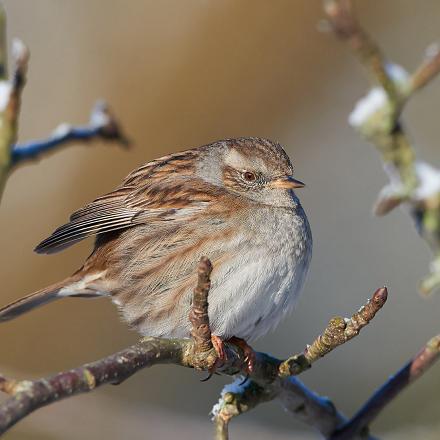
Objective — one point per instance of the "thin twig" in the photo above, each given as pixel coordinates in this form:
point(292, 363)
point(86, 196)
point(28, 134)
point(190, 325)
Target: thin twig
point(297, 400)
point(377, 118)
point(428, 70)
point(10, 92)
point(240, 397)
point(221, 429)
point(338, 331)
point(427, 356)
point(102, 126)
point(379, 123)
point(346, 26)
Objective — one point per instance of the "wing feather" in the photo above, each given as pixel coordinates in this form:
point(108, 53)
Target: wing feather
point(157, 191)
point(80, 228)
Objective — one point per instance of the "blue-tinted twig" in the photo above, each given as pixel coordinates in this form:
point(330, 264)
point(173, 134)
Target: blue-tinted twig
point(426, 357)
point(102, 126)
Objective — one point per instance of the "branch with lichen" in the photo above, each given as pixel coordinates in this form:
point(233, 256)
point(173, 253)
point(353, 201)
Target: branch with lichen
point(319, 412)
point(338, 331)
point(241, 397)
point(103, 125)
point(271, 378)
point(377, 117)
point(10, 98)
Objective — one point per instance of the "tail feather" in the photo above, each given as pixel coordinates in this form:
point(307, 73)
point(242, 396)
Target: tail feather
point(27, 303)
point(44, 296)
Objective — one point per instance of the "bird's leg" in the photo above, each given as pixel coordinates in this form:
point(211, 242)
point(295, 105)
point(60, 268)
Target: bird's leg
point(249, 353)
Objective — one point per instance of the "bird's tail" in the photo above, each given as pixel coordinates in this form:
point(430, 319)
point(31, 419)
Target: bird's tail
point(71, 286)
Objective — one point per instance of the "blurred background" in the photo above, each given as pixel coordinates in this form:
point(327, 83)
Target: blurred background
point(181, 74)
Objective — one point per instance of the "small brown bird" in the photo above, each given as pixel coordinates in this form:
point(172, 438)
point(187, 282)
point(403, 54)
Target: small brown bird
point(232, 201)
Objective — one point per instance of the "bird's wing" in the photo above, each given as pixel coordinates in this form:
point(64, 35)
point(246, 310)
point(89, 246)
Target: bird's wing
point(160, 191)
point(102, 215)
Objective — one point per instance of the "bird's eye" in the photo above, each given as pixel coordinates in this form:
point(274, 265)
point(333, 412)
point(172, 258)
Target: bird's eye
point(249, 176)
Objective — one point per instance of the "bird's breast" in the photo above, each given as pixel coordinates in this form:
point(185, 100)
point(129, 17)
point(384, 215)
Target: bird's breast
point(261, 283)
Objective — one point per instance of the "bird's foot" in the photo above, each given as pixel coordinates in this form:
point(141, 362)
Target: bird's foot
point(219, 347)
point(249, 353)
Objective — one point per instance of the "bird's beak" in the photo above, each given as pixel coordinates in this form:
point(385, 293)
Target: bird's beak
point(287, 182)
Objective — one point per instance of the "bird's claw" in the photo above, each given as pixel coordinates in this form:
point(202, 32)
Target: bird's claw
point(219, 347)
point(249, 354)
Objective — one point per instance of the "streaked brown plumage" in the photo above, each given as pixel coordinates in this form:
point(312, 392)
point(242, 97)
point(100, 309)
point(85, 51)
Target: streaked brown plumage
point(232, 201)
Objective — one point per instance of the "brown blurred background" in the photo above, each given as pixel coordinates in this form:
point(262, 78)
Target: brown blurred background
point(184, 73)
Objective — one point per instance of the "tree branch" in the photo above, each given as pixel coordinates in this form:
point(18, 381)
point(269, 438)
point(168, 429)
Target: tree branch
point(377, 118)
point(10, 96)
point(427, 356)
point(318, 412)
point(428, 70)
point(346, 26)
point(339, 331)
point(270, 379)
point(27, 396)
point(102, 126)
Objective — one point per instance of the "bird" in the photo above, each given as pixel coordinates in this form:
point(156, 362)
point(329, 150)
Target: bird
point(233, 201)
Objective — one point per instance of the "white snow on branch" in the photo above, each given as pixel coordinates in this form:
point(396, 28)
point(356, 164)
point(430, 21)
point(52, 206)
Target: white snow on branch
point(376, 98)
point(5, 93)
point(429, 180)
point(61, 130)
point(19, 51)
point(236, 387)
point(100, 116)
point(373, 101)
point(397, 73)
